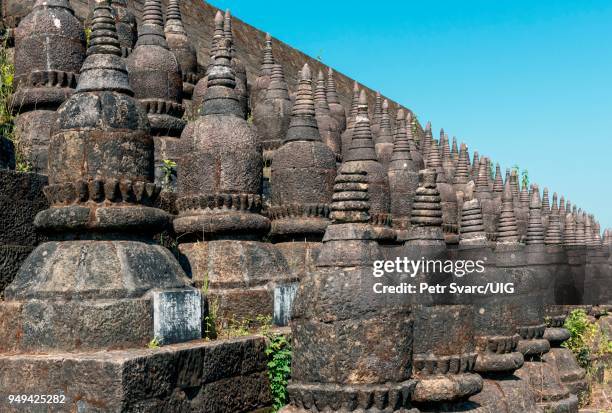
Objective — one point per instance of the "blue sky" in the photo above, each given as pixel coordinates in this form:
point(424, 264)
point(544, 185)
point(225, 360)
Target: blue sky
point(524, 82)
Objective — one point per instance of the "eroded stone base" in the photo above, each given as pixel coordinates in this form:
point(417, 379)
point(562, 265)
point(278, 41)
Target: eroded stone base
point(571, 374)
point(238, 276)
point(551, 395)
point(506, 394)
point(223, 376)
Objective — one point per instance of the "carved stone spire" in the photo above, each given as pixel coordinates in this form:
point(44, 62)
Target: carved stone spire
point(237, 65)
point(426, 218)
point(328, 126)
point(535, 229)
point(268, 58)
point(49, 52)
point(337, 109)
point(221, 170)
point(498, 184)
point(447, 160)
point(569, 235)
point(302, 173)
point(384, 141)
point(507, 230)
point(259, 88)
point(514, 181)
point(362, 156)
point(377, 116)
point(446, 151)
point(462, 173)
point(545, 202)
point(347, 135)
point(447, 193)
point(562, 212)
point(218, 34)
point(475, 166)
point(350, 203)
point(524, 197)
point(427, 142)
point(415, 153)
point(554, 236)
point(152, 28)
point(181, 46)
point(590, 240)
point(482, 180)
point(455, 150)
point(403, 178)
point(362, 144)
point(580, 229)
point(472, 227)
point(433, 160)
point(217, 39)
point(125, 21)
point(272, 115)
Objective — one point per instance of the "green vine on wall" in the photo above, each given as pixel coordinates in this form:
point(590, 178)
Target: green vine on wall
point(279, 368)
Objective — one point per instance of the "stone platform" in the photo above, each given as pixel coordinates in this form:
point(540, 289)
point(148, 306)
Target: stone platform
point(220, 376)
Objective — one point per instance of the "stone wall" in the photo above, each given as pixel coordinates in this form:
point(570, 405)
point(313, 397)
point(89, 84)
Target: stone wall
point(21, 198)
point(223, 376)
point(198, 17)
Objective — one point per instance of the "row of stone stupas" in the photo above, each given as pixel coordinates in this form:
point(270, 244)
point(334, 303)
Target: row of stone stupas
point(301, 132)
point(352, 189)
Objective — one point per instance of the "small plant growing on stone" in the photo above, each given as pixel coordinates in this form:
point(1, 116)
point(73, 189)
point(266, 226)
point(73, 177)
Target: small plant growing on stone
point(525, 178)
point(210, 320)
point(87, 35)
point(265, 324)
point(279, 368)
point(7, 120)
point(581, 334)
point(169, 170)
point(154, 343)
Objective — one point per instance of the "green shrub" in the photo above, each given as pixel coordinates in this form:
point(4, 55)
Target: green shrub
point(279, 368)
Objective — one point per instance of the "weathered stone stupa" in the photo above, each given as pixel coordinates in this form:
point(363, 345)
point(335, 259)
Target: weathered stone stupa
point(336, 108)
point(303, 173)
point(271, 116)
point(443, 349)
point(490, 203)
point(102, 264)
point(494, 319)
point(125, 22)
point(180, 44)
point(384, 140)
point(220, 202)
point(376, 116)
point(448, 195)
point(329, 129)
point(347, 135)
point(200, 88)
point(260, 86)
point(49, 52)
point(338, 365)
point(239, 68)
point(551, 394)
point(362, 157)
point(156, 78)
point(403, 178)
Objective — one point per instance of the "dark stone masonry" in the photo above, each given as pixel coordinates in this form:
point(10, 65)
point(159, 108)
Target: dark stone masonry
point(278, 185)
